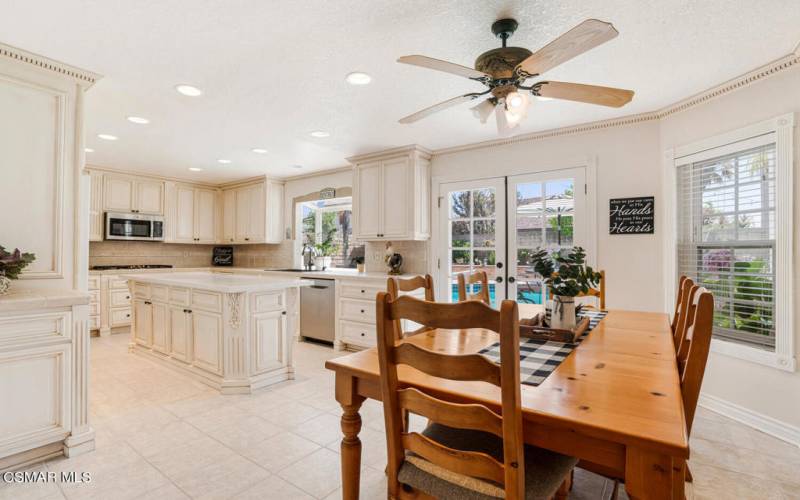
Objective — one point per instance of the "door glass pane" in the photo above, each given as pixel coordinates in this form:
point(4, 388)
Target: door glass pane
point(529, 282)
point(530, 215)
point(472, 215)
point(559, 207)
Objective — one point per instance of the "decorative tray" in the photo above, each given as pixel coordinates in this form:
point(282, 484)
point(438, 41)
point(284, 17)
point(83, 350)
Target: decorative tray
point(535, 328)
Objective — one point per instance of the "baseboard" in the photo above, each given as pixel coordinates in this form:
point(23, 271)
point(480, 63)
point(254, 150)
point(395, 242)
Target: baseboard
point(763, 423)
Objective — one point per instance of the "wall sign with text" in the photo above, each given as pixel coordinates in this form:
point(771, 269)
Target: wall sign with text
point(632, 215)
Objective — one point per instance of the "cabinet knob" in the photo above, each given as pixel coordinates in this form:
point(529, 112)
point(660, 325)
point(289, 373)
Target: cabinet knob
point(127, 296)
point(247, 239)
point(362, 311)
point(128, 315)
point(362, 291)
point(362, 334)
point(283, 312)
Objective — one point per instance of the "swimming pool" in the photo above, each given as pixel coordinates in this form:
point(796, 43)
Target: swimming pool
point(524, 297)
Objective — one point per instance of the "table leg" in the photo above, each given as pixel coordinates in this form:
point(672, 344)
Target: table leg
point(678, 479)
point(351, 425)
point(648, 474)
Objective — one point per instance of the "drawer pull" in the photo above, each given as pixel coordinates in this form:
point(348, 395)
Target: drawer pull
point(283, 313)
point(128, 315)
point(362, 334)
point(128, 297)
point(362, 311)
point(147, 303)
point(362, 291)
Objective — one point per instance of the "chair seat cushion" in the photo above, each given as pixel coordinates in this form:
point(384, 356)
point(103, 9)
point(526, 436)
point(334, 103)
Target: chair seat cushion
point(544, 470)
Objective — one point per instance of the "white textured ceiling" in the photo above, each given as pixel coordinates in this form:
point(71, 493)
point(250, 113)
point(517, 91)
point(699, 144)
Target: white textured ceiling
point(272, 71)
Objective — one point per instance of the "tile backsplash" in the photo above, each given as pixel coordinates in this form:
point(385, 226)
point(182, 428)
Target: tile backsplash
point(415, 256)
point(104, 253)
point(265, 256)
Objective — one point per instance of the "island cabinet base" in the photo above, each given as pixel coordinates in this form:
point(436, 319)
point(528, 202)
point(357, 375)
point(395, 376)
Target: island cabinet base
point(234, 341)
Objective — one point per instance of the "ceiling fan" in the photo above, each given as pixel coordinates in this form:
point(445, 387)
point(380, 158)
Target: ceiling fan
point(505, 71)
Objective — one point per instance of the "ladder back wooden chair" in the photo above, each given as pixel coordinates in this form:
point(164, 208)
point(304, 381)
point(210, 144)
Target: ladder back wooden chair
point(396, 285)
point(469, 279)
point(685, 310)
point(678, 299)
point(468, 450)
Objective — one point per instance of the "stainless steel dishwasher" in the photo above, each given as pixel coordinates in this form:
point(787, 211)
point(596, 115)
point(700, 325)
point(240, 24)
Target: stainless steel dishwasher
point(317, 309)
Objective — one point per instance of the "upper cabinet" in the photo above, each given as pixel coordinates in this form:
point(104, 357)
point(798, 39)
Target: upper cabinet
point(192, 213)
point(253, 212)
point(123, 193)
point(96, 222)
point(391, 195)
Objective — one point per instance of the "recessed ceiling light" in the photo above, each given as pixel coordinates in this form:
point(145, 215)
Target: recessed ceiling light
point(138, 120)
point(320, 133)
point(358, 78)
point(108, 137)
point(188, 90)
point(88, 150)
point(224, 162)
point(260, 151)
point(297, 166)
point(195, 169)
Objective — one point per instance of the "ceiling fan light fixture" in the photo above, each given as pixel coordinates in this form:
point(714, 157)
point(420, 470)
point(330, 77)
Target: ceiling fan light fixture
point(483, 110)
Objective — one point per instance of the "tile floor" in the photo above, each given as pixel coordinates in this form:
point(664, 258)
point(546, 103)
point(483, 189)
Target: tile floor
point(161, 435)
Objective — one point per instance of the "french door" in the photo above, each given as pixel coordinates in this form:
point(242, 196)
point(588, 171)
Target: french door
point(496, 224)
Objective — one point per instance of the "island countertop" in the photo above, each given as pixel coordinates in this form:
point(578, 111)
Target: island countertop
point(218, 282)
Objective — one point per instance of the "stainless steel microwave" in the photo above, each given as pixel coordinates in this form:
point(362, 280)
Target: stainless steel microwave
point(128, 226)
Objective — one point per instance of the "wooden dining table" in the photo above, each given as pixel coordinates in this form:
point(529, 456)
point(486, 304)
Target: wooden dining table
point(614, 403)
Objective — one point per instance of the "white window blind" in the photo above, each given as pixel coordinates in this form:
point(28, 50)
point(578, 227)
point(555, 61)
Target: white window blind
point(726, 238)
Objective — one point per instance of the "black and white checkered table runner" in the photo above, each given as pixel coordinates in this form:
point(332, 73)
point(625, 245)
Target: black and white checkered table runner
point(539, 358)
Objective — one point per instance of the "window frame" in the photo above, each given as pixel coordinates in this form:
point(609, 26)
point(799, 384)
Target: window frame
point(779, 130)
point(318, 220)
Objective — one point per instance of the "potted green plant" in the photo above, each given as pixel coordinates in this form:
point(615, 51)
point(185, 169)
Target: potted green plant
point(566, 274)
point(325, 250)
point(11, 264)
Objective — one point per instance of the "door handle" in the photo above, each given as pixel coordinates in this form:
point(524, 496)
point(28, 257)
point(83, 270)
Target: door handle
point(499, 265)
point(511, 279)
point(499, 279)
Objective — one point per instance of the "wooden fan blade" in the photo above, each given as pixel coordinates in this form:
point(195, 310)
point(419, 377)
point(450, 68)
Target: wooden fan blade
point(592, 94)
point(447, 67)
point(439, 107)
point(585, 36)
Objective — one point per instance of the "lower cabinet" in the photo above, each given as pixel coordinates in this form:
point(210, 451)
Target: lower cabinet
point(269, 331)
point(207, 345)
point(180, 326)
point(143, 326)
point(160, 328)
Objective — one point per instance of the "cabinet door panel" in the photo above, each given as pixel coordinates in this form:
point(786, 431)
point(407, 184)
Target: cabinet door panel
point(184, 216)
point(274, 212)
point(269, 333)
point(160, 327)
point(96, 207)
point(207, 341)
point(242, 213)
point(205, 211)
point(118, 194)
point(143, 322)
point(229, 215)
point(150, 197)
point(395, 198)
point(180, 327)
point(369, 201)
point(256, 232)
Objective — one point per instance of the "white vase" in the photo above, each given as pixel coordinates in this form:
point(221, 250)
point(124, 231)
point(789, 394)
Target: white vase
point(563, 315)
point(5, 284)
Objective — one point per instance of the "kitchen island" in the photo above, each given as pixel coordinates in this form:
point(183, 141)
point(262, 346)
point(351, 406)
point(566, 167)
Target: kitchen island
point(229, 331)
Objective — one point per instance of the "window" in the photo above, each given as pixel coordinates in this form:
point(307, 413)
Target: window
point(726, 227)
point(730, 198)
point(330, 220)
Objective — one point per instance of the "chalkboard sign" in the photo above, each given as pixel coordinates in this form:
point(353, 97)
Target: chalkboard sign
point(223, 256)
point(632, 215)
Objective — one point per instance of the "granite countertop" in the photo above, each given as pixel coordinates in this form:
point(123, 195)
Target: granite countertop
point(329, 274)
point(18, 299)
point(218, 282)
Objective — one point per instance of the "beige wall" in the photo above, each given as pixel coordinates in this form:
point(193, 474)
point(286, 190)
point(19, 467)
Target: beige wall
point(772, 392)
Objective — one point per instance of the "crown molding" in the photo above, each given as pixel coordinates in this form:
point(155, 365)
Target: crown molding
point(732, 85)
point(84, 78)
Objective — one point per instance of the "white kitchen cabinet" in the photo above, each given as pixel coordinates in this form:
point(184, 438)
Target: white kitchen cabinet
point(391, 195)
point(160, 328)
point(96, 222)
point(207, 333)
point(205, 210)
point(269, 332)
point(194, 216)
point(180, 326)
point(125, 193)
point(143, 325)
point(253, 213)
